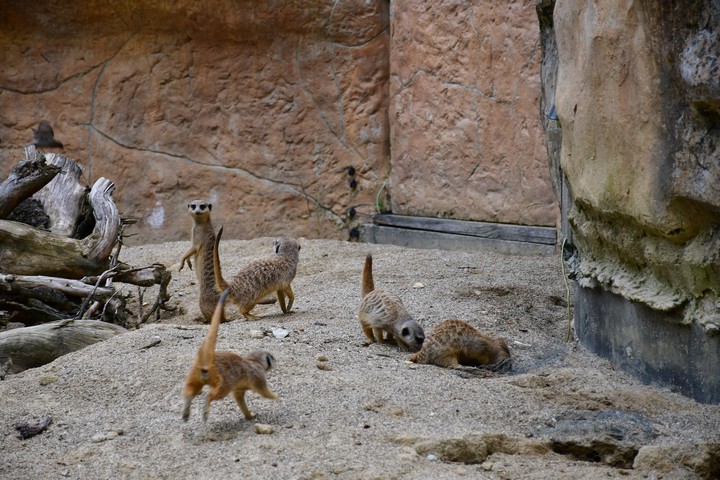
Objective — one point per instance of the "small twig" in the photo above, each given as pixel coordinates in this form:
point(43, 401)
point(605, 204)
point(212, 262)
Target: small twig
point(151, 344)
point(105, 275)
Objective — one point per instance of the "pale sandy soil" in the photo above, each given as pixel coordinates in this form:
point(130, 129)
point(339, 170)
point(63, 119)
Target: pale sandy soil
point(562, 413)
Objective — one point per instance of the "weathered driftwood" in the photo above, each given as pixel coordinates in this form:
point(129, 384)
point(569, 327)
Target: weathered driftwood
point(25, 179)
point(28, 251)
point(64, 199)
point(31, 347)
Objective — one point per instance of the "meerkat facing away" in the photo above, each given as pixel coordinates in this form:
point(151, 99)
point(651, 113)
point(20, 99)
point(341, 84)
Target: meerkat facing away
point(454, 342)
point(382, 312)
point(226, 372)
point(262, 277)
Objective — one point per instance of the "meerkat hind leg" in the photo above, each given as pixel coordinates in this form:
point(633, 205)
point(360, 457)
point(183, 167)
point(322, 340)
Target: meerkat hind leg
point(206, 409)
point(192, 388)
point(281, 300)
point(290, 295)
point(186, 409)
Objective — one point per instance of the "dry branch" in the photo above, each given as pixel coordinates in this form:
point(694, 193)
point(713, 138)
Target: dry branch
point(70, 287)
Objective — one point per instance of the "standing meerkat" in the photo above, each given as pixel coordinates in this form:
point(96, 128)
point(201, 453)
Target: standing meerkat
point(383, 312)
point(455, 342)
point(262, 277)
point(226, 372)
point(201, 251)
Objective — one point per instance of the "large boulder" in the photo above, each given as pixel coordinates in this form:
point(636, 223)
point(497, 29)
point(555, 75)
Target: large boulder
point(638, 99)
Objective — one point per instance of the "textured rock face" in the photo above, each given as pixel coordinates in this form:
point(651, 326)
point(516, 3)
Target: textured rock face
point(638, 95)
point(464, 114)
point(260, 107)
point(257, 108)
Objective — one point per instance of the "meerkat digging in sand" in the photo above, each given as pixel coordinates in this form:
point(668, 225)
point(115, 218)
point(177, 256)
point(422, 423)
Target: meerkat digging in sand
point(262, 277)
point(383, 312)
point(226, 372)
point(455, 342)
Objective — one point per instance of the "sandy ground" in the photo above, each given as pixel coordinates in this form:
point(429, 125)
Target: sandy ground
point(365, 412)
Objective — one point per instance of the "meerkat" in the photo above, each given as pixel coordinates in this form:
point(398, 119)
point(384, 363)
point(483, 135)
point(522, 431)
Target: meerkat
point(262, 277)
point(201, 251)
point(226, 372)
point(454, 343)
point(382, 312)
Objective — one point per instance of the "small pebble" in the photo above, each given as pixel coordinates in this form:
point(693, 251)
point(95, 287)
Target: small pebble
point(264, 429)
point(280, 333)
point(102, 437)
point(321, 358)
point(47, 380)
point(256, 334)
point(418, 285)
point(324, 366)
point(432, 458)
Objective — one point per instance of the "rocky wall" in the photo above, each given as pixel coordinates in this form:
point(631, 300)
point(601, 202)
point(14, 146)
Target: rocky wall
point(466, 137)
point(261, 107)
point(638, 99)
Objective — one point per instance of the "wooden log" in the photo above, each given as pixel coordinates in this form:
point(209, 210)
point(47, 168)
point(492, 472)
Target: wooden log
point(64, 199)
point(27, 251)
point(26, 178)
point(32, 347)
point(496, 231)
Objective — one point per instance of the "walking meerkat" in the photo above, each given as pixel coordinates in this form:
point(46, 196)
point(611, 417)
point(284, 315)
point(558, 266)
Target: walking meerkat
point(382, 312)
point(226, 372)
point(262, 277)
point(201, 251)
point(454, 342)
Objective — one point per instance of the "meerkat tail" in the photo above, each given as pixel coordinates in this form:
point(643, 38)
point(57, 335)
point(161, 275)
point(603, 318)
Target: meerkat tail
point(367, 277)
point(207, 351)
point(220, 282)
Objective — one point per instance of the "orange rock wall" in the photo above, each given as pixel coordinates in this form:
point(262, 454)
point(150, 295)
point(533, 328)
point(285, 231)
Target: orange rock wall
point(260, 107)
